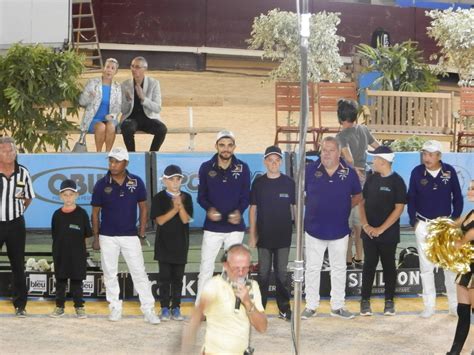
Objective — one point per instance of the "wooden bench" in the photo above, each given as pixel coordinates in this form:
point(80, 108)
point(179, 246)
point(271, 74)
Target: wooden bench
point(402, 114)
point(170, 101)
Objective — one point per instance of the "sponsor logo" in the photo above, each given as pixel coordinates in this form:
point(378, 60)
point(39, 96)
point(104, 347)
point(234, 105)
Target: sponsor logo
point(88, 285)
point(37, 283)
point(84, 176)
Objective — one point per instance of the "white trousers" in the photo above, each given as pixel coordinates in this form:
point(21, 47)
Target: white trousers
point(427, 274)
point(314, 257)
point(211, 244)
point(131, 249)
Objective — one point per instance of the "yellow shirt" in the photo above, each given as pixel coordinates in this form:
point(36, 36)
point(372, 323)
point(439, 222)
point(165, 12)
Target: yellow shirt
point(227, 331)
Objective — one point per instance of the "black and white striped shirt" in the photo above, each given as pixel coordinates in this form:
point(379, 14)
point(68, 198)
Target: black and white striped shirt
point(13, 192)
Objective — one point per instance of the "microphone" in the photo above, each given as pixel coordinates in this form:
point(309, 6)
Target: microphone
point(240, 281)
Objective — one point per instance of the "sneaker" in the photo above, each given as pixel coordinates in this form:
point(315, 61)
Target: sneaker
point(389, 309)
point(342, 313)
point(358, 264)
point(165, 314)
point(81, 313)
point(20, 312)
point(285, 315)
point(308, 313)
point(115, 314)
point(151, 317)
point(176, 314)
point(365, 309)
point(58, 312)
point(427, 313)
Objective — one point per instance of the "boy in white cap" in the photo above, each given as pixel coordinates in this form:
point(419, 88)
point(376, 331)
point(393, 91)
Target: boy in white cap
point(434, 192)
point(384, 198)
point(171, 210)
point(115, 198)
point(69, 227)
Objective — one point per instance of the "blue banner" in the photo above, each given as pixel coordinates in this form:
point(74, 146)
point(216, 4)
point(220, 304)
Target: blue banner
point(190, 163)
point(49, 170)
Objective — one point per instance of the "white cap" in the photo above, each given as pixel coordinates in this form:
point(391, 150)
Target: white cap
point(383, 152)
point(118, 153)
point(432, 146)
point(225, 134)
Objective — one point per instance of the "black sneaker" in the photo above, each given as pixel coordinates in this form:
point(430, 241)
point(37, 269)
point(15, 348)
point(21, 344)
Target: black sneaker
point(389, 309)
point(20, 312)
point(358, 264)
point(285, 315)
point(365, 309)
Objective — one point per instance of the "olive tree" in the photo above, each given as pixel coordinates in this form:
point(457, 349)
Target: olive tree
point(276, 33)
point(453, 31)
point(34, 81)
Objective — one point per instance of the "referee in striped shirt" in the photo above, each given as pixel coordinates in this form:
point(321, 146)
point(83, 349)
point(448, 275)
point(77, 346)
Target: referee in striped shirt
point(16, 193)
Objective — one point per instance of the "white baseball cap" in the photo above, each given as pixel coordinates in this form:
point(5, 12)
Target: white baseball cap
point(119, 153)
point(225, 134)
point(383, 152)
point(432, 146)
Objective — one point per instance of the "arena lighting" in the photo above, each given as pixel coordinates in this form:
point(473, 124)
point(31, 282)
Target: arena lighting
point(303, 26)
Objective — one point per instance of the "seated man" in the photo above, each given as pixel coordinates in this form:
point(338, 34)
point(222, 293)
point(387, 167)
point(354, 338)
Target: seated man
point(141, 106)
point(231, 304)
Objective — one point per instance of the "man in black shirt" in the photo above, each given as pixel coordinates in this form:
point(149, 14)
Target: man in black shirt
point(385, 197)
point(141, 107)
point(272, 201)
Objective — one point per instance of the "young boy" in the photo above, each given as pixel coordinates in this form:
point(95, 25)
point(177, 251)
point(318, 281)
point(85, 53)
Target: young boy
point(354, 140)
point(70, 226)
point(171, 209)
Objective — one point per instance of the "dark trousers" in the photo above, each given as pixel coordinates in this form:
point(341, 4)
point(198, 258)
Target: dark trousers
point(75, 289)
point(142, 123)
point(171, 284)
point(13, 234)
point(374, 251)
point(279, 259)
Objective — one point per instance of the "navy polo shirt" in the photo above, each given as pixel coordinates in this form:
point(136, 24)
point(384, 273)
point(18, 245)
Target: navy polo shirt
point(434, 197)
point(328, 200)
point(118, 204)
point(226, 190)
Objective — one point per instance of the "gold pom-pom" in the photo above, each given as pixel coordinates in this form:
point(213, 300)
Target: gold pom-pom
point(441, 247)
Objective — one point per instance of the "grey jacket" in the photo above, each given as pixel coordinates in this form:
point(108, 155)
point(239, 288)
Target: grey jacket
point(152, 102)
point(92, 103)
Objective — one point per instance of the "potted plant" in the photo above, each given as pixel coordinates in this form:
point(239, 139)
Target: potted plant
point(453, 32)
point(276, 33)
point(34, 82)
point(401, 67)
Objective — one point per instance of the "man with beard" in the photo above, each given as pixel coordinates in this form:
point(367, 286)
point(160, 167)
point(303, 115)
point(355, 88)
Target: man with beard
point(224, 192)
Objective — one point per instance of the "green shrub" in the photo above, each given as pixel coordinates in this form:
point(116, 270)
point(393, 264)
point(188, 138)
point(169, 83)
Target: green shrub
point(412, 144)
point(34, 79)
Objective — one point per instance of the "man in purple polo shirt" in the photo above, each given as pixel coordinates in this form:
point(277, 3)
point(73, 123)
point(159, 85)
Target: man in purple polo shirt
point(434, 192)
point(224, 192)
point(332, 189)
point(115, 198)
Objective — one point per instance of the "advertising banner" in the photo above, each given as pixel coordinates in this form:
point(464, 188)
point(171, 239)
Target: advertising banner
point(190, 163)
point(49, 170)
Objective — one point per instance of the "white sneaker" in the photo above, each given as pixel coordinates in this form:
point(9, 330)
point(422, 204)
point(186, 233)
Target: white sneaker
point(427, 313)
point(115, 314)
point(453, 311)
point(151, 317)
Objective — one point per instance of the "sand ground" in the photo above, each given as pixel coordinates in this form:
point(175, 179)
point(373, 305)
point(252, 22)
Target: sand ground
point(405, 333)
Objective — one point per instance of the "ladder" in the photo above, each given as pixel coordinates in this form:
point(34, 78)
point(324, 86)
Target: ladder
point(84, 34)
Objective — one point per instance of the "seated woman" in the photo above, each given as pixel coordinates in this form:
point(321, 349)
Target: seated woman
point(102, 99)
